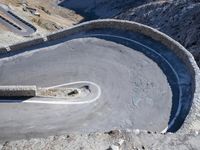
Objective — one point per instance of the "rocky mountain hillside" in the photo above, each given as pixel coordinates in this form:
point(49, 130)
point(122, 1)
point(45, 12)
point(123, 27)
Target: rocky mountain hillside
point(179, 19)
point(95, 9)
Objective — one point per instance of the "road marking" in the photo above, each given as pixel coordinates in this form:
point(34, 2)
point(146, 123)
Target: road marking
point(178, 81)
point(67, 102)
point(99, 89)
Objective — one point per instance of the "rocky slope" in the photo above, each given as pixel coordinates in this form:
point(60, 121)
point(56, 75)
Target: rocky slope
point(95, 9)
point(113, 140)
point(179, 19)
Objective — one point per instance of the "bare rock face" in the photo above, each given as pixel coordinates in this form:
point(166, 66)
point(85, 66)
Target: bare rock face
point(94, 9)
point(179, 19)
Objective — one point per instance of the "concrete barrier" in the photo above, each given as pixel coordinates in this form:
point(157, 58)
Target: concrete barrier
point(18, 91)
point(26, 44)
point(177, 48)
point(3, 50)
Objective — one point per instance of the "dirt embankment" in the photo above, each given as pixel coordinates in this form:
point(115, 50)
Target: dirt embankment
point(112, 140)
point(49, 15)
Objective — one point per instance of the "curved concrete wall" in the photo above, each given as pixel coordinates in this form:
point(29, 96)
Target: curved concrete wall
point(25, 44)
point(179, 50)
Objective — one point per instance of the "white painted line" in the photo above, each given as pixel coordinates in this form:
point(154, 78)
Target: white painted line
point(67, 102)
point(180, 94)
point(99, 89)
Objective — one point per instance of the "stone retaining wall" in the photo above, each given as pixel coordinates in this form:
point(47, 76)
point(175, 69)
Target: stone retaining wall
point(26, 44)
point(3, 50)
point(15, 91)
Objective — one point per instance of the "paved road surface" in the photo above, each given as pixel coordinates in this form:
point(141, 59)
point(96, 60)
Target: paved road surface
point(140, 81)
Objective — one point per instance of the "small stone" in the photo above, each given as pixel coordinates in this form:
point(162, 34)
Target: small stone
point(81, 148)
point(143, 147)
point(117, 146)
point(137, 132)
point(113, 132)
point(196, 133)
point(149, 132)
point(121, 141)
point(114, 147)
point(128, 130)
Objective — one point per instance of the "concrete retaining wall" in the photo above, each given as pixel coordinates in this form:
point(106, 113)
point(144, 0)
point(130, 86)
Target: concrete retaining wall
point(178, 49)
point(26, 44)
point(10, 91)
point(3, 50)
